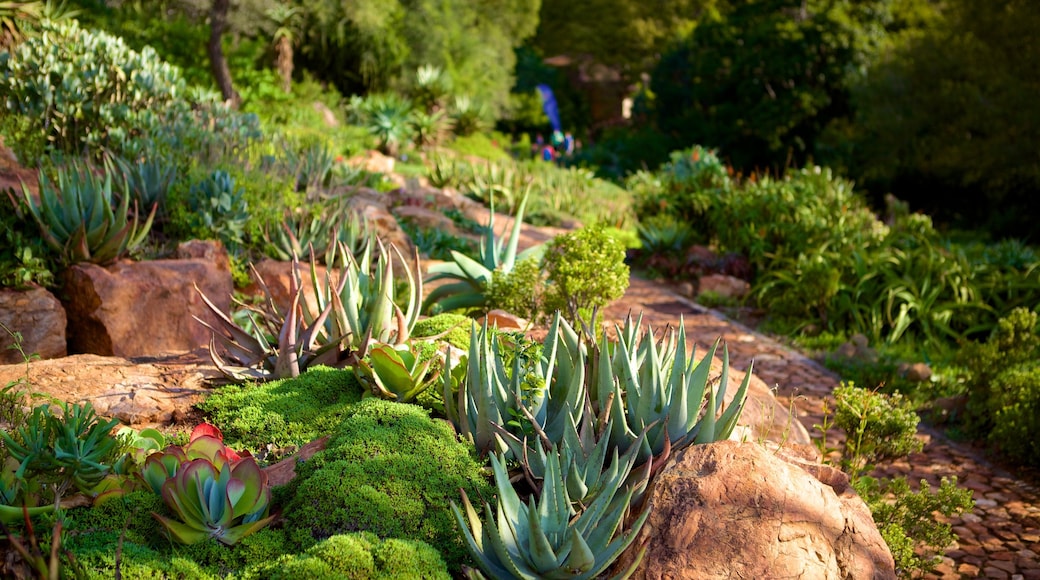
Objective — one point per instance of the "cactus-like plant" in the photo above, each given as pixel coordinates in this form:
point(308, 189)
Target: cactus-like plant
point(77, 218)
point(220, 207)
point(472, 277)
point(397, 372)
point(550, 538)
point(149, 180)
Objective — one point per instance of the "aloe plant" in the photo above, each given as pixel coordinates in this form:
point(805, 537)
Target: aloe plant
point(397, 372)
point(315, 234)
point(77, 218)
point(550, 538)
point(149, 180)
point(472, 277)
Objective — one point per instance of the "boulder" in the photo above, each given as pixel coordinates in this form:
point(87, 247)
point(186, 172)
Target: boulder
point(373, 161)
point(276, 276)
point(374, 208)
point(425, 218)
point(724, 286)
point(504, 321)
point(39, 317)
point(140, 392)
point(739, 510)
point(143, 308)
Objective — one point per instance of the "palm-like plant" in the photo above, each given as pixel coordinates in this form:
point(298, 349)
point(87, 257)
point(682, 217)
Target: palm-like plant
point(285, 18)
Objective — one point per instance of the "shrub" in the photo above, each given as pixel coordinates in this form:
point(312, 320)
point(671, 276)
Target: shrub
point(686, 187)
point(24, 259)
point(388, 469)
point(585, 271)
point(1004, 386)
point(456, 326)
point(518, 291)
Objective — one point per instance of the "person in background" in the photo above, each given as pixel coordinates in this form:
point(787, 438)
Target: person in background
point(539, 143)
point(568, 144)
point(548, 153)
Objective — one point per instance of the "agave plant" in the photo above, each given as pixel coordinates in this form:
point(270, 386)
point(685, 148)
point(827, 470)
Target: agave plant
point(300, 340)
point(397, 372)
point(473, 276)
point(468, 115)
point(77, 218)
point(432, 84)
point(430, 129)
point(221, 207)
point(214, 491)
point(550, 538)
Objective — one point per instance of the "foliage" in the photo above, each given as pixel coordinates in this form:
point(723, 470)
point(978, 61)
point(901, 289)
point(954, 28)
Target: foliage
point(24, 258)
point(550, 538)
point(908, 524)
point(472, 276)
point(452, 328)
point(761, 80)
point(386, 116)
point(50, 454)
point(388, 469)
point(881, 428)
point(518, 291)
point(355, 555)
point(947, 144)
point(685, 187)
point(399, 373)
point(149, 179)
point(585, 271)
point(77, 217)
point(219, 208)
point(283, 413)
point(1003, 394)
point(314, 233)
point(438, 244)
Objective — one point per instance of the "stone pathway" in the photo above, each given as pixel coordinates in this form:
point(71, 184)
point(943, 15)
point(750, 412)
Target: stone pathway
point(999, 539)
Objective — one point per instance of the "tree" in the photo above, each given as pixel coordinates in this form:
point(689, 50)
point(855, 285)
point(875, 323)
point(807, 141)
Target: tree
point(950, 119)
point(762, 79)
point(217, 62)
point(284, 37)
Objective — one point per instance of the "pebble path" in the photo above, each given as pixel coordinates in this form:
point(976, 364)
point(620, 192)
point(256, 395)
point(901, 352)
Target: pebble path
point(1000, 538)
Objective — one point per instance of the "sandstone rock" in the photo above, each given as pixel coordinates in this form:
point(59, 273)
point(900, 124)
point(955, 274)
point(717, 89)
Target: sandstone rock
point(425, 218)
point(915, 371)
point(724, 286)
point(857, 349)
point(503, 320)
point(137, 392)
point(373, 207)
point(373, 161)
point(276, 275)
point(39, 317)
point(143, 308)
point(737, 510)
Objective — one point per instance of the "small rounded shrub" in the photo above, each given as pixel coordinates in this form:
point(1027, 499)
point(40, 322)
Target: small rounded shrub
point(388, 469)
point(456, 326)
point(585, 271)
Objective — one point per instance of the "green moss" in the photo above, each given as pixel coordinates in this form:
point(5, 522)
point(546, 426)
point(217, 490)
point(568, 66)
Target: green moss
point(130, 515)
point(286, 412)
point(389, 469)
point(136, 562)
point(456, 326)
point(356, 556)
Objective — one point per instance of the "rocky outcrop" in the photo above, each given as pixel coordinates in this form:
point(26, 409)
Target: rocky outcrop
point(724, 286)
point(144, 308)
point(738, 510)
point(38, 316)
point(137, 392)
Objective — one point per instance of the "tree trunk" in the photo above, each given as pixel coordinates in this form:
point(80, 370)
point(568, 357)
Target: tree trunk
point(217, 62)
point(285, 61)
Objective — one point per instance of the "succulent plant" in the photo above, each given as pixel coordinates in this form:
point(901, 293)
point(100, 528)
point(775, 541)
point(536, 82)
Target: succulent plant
point(276, 345)
point(473, 276)
point(220, 207)
point(226, 503)
point(77, 218)
point(642, 384)
point(397, 372)
point(149, 179)
point(307, 234)
point(363, 307)
point(550, 538)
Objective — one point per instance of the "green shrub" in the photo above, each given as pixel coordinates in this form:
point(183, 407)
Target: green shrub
point(685, 188)
point(388, 469)
point(457, 327)
point(585, 271)
point(24, 259)
point(283, 413)
point(1004, 386)
point(878, 427)
point(518, 291)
